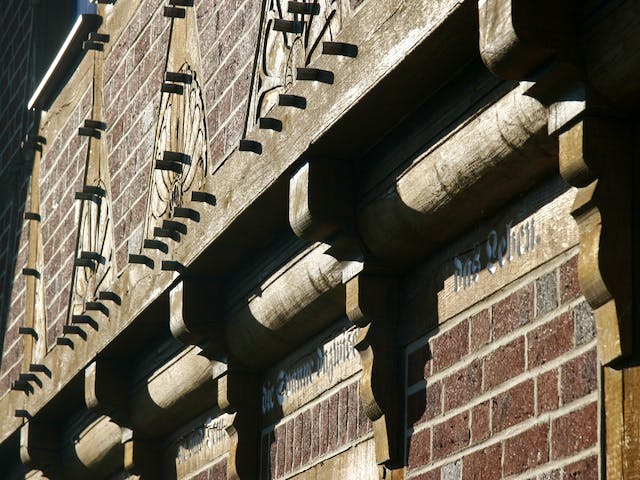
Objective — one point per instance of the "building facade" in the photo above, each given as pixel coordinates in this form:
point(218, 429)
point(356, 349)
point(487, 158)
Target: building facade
point(341, 239)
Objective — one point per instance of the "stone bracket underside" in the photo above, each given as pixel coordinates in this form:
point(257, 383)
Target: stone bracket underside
point(39, 447)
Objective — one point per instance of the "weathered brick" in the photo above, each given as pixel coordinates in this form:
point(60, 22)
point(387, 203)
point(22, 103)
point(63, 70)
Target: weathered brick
point(585, 325)
point(418, 365)
point(462, 386)
point(546, 293)
point(579, 376)
point(513, 312)
point(505, 363)
point(332, 422)
point(574, 431)
point(352, 412)
point(297, 446)
point(425, 404)
point(480, 423)
point(452, 471)
point(484, 464)
point(550, 340)
point(569, 286)
point(308, 430)
point(548, 397)
point(451, 435)
point(431, 475)
point(479, 330)
point(586, 469)
point(419, 449)
point(450, 346)
point(526, 450)
point(513, 406)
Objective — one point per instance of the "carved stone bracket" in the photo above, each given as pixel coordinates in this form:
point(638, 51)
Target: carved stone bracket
point(141, 455)
point(105, 390)
point(371, 306)
point(238, 396)
point(192, 318)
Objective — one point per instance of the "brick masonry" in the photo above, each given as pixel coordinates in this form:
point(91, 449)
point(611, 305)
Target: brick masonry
point(315, 433)
point(510, 388)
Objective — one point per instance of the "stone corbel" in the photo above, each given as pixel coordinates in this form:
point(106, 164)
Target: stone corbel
point(105, 391)
point(192, 306)
point(238, 396)
point(372, 306)
point(39, 447)
point(141, 456)
point(517, 37)
point(320, 199)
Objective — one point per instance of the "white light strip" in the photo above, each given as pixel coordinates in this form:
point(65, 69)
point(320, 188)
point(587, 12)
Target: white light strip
point(55, 62)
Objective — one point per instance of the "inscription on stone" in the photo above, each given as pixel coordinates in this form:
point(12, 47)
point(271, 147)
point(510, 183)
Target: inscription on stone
point(310, 371)
point(505, 245)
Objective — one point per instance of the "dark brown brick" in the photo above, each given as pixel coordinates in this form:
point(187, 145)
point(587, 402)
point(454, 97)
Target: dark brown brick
point(418, 365)
point(462, 386)
point(550, 340)
point(449, 347)
point(569, 286)
point(317, 431)
point(307, 431)
point(548, 397)
point(432, 475)
point(480, 428)
point(419, 449)
point(288, 446)
point(280, 436)
point(575, 431)
point(526, 450)
point(297, 446)
point(425, 404)
point(480, 330)
point(343, 416)
point(579, 376)
point(352, 411)
point(484, 464)
point(218, 471)
point(332, 422)
point(513, 406)
point(586, 469)
point(451, 436)
point(505, 363)
point(513, 312)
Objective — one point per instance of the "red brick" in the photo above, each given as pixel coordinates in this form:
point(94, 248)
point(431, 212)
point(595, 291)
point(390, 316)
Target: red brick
point(280, 436)
point(449, 347)
point(480, 330)
point(298, 428)
point(352, 411)
point(432, 475)
point(218, 471)
point(526, 450)
point(424, 404)
point(579, 377)
point(569, 286)
point(451, 436)
point(548, 397)
point(513, 312)
point(419, 449)
point(273, 450)
point(513, 406)
point(462, 386)
point(483, 465)
point(288, 447)
point(343, 416)
point(332, 422)
point(480, 428)
point(550, 340)
point(575, 431)
point(307, 432)
point(505, 363)
point(317, 429)
point(586, 469)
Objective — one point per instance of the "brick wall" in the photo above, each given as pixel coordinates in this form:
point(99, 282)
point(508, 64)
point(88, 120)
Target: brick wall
point(62, 174)
point(333, 423)
point(217, 471)
point(16, 59)
point(509, 388)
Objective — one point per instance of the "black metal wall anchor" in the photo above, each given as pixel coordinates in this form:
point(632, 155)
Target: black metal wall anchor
point(295, 101)
point(268, 123)
point(74, 330)
point(178, 77)
point(288, 26)
point(89, 132)
point(110, 296)
point(31, 272)
point(22, 386)
point(182, 3)
point(95, 256)
point(250, 146)
point(30, 378)
point(32, 216)
point(172, 88)
point(174, 12)
point(28, 331)
point(340, 49)
point(141, 260)
point(99, 37)
point(173, 266)
point(40, 368)
point(33, 142)
point(175, 226)
point(95, 124)
point(97, 307)
point(84, 320)
point(304, 8)
point(85, 262)
point(183, 212)
point(204, 197)
point(22, 413)
point(94, 190)
point(91, 45)
point(179, 157)
point(315, 75)
point(168, 166)
point(65, 341)
point(155, 245)
point(166, 233)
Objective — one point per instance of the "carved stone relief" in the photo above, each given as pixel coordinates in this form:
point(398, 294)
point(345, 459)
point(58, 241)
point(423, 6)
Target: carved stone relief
point(181, 129)
point(281, 52)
